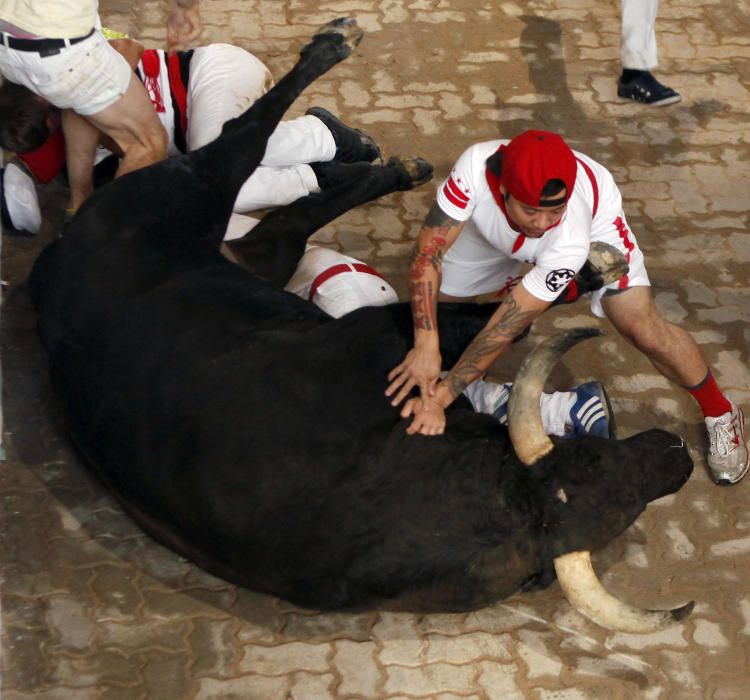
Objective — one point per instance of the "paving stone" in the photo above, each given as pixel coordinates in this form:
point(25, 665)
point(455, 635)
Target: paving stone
point(243, 688)
point(286, 658)
point(355, 663)
point(427, 680)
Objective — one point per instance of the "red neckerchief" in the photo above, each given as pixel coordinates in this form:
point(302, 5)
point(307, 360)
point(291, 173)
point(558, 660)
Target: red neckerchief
point(151, 68)
point(178, 88)
point(494, 182)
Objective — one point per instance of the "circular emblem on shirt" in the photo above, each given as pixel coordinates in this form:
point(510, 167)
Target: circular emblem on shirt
point(557, 280)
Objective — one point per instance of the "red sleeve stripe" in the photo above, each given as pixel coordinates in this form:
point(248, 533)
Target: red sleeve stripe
point(624, 234)
point(454, 195)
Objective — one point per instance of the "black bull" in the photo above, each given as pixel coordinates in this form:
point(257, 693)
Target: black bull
point(247, 430)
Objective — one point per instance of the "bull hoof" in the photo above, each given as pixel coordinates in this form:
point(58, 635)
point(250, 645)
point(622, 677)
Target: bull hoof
point(347, 29)
point(417, 170)
point(608, 262)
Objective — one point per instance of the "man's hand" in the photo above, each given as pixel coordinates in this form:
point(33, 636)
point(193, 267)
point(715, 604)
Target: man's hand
point(429, 416)
point(183, 25)
point(421, 367)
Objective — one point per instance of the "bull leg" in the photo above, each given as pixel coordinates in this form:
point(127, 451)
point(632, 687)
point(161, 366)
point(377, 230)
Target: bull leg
point(272, 250)
point(226, 163)
point(205, 182)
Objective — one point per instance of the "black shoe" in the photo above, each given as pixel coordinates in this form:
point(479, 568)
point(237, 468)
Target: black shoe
point(643, 87)
point(352, 146)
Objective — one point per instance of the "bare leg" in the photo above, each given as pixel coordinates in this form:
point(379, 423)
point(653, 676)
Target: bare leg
point(81, 139)
point(671, 349)
point(132, 123)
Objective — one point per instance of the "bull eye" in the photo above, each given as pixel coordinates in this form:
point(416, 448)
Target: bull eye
point(562, 495)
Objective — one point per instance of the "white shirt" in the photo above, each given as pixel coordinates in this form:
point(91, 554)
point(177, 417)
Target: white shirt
point(593, 213)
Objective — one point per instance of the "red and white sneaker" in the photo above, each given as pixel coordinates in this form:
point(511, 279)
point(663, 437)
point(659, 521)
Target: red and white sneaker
point(727, 451)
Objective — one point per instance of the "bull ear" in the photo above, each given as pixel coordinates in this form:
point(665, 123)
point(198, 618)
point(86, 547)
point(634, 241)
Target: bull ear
point(587, 595)
point(524, 417)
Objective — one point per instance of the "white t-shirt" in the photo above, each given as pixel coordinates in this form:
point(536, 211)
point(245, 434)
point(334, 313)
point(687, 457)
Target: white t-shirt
point(57, 19)
point(488, 242)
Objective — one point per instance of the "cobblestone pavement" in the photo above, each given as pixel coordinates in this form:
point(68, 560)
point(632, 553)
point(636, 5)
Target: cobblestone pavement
point(92, 608)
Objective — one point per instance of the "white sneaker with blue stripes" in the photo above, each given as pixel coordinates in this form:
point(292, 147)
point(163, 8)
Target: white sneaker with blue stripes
point(590, 413)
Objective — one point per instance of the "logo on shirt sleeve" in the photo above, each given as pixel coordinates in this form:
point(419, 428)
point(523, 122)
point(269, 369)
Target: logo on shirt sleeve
point(456, 191)
point(557, 280)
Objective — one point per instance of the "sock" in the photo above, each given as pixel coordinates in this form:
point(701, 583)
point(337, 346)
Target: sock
point(709, 397)
point(629, 74)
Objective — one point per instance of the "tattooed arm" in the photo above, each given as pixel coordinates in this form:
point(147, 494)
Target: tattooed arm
point(422, 364)
point(518, 309)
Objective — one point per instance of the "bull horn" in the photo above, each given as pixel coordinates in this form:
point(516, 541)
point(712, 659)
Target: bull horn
point(524, 418)
point(586, 594)
point(574, 571)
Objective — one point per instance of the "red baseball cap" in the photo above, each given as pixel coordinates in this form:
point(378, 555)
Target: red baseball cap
point(531, 160)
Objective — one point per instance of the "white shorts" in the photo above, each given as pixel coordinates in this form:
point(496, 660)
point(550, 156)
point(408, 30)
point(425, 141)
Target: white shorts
point(490, 272)
point(86, 77)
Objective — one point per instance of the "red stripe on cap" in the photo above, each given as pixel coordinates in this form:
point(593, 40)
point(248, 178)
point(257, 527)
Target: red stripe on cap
point(337, 270)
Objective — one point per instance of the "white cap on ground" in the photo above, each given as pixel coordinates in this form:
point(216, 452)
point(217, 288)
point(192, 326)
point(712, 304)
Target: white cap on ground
point(338, 283)
point(20, 203)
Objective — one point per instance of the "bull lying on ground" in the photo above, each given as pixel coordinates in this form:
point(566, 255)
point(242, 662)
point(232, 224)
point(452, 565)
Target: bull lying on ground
point(247, 430)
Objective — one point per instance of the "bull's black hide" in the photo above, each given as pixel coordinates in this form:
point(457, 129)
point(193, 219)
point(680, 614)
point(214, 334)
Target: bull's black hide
point(247, 430)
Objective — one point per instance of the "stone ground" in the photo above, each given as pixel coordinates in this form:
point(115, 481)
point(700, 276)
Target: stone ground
point(92, 608)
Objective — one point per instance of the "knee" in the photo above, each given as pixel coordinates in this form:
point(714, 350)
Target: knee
point(650, 334)
point(151, 145)
point(157, 142)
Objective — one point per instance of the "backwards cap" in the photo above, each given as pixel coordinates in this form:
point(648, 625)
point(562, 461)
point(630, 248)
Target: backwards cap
point(531, 160)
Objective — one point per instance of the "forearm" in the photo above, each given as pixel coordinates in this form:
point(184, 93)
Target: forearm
point(423, 291)
point(437, 234)
point(512, 317)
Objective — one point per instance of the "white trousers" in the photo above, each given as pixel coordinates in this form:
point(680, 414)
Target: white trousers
point(638, 35)
point(224, 81)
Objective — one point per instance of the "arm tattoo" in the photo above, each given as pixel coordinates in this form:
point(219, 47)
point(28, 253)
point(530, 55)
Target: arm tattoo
point(431, 254)
point(488, 344)
point(422, 307)
point(437, 218)
point(422, 292)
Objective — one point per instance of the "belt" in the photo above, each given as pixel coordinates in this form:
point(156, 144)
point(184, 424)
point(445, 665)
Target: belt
point(337, 270)
point(44, 47)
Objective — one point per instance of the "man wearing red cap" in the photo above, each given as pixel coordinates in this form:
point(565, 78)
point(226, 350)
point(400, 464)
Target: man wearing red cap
point(534, 200)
